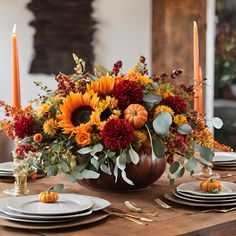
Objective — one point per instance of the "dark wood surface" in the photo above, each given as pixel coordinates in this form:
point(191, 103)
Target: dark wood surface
point(172, 35)
point(168, 222)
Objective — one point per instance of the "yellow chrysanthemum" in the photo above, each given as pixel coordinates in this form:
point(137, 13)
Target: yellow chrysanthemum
point(140, 136)
point(103, 86)
point(164, 93)
point(136, 76)
point(50, 127)
point(75, 110)
point(43, 108)
point(163, 108)
point(180, 120)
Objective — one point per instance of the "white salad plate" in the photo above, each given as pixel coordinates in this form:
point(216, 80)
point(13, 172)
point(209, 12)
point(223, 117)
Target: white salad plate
point(6, 166)
point(192, 199)
point(66, 204)
point(224, 156)
point(228, 189)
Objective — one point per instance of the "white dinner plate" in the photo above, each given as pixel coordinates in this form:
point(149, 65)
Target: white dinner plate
point(228, 189)
point(212, 197)
point(6, 173)
point(98, 203)
point(66, 204)
point(224, 156)
point(4, 216)
point(225, 164)
point(6, 166)
point(189, 198)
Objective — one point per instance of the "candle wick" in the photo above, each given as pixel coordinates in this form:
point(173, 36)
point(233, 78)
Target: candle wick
point(14, 29)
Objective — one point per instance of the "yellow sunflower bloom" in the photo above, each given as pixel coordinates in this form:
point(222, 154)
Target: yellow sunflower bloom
point(43, 108)
point(163, 108)
point(103, 86)
point(76, 109)
point(180, 120)
point(50, 127)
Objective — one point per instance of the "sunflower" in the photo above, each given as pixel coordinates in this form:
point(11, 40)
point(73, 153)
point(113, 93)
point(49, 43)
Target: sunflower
point(103, 86)
point(75, 110)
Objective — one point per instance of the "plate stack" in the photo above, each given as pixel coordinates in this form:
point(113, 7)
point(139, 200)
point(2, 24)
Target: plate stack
point(191, 195)
point(6, 172)
point(224, 161)
point(70, 210)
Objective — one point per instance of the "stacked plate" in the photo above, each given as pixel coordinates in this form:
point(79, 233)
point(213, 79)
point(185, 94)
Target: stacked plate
point(29, 210)
point(190, 194)
point(224, 160)
point(6, 171)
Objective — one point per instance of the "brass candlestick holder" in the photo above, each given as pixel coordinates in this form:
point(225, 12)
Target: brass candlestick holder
point(20, 172)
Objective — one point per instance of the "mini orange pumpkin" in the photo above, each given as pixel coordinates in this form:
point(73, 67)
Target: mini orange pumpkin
point(210, 185)
point(136, 115)
point(48, 196)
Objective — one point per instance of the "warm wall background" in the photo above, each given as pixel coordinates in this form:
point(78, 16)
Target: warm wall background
point(123, 32)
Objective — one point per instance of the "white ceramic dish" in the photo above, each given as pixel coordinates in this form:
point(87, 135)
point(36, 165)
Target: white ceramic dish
point(228, 189)
point(98, 203)
point(4, 216)
point(224, 156)
point(6, 166)
point(189, 198)
point(67, 204)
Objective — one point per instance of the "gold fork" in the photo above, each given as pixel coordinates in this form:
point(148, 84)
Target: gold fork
point(220, 210)
point(166, 206)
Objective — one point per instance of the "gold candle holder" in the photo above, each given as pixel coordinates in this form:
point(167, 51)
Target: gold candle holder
point(20, 172)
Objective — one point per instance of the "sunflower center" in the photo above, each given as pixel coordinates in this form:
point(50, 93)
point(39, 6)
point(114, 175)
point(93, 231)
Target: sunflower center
point(81, 115)
point(105, 114)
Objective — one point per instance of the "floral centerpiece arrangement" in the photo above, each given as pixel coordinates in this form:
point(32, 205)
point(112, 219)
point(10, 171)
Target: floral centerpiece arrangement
point(99, 124)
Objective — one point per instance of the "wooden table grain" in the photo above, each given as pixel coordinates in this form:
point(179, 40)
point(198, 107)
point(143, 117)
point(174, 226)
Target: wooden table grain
point(168, 222)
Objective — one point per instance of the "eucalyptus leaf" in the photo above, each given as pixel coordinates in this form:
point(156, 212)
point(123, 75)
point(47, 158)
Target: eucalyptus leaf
point(57, 147)
point(115, 172)
point(180, 172)
point(174, 167)
point(64, 166)
point(85, 150)
point(90, 174)
point(124, 176)
point(71, 178)
point(152, 98)
point(185, 129)
point(206, 153)
point(158, 147)
point(154, 157)
point(97, 148)
point(217, 122)
point(162, 123)
point(27, 140)
point(78, 175)
point(58, 188)
point(105, 168)
point(121, 162)
point(133, 155)
point(52, 171)
point(191, 164)
point(95, 163)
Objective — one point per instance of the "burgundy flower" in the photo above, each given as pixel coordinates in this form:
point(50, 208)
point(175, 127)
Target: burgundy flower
point(127, 92)
point(117, 134)
point(116, 67)
point(24, 126)
point(176, 103)
point(22, 150)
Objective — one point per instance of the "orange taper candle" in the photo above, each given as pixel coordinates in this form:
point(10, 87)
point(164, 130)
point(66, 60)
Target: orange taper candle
point(197, 79)
point(16, 100)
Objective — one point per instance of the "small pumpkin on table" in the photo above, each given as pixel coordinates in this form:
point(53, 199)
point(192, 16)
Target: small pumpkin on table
point(51, 195)
point(211, 186)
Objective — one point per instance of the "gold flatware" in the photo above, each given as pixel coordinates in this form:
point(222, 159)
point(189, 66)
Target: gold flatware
point(134, 208)
point(228, 175)
point(125, 215)
point(220, 210)
point(166, 206)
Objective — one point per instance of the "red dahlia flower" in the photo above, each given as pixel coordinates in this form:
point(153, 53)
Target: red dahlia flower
point(24, 126)
point(117, 134)
point(127, 92)
point(176, 103)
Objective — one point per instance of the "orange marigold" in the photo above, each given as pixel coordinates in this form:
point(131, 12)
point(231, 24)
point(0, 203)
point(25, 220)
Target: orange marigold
point(163, 108)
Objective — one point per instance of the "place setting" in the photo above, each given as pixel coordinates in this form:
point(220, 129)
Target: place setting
point(40, 212)
point(208, 193)
point(224, 161)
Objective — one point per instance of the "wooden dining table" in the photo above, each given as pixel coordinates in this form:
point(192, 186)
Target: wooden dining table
point(181, 220)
